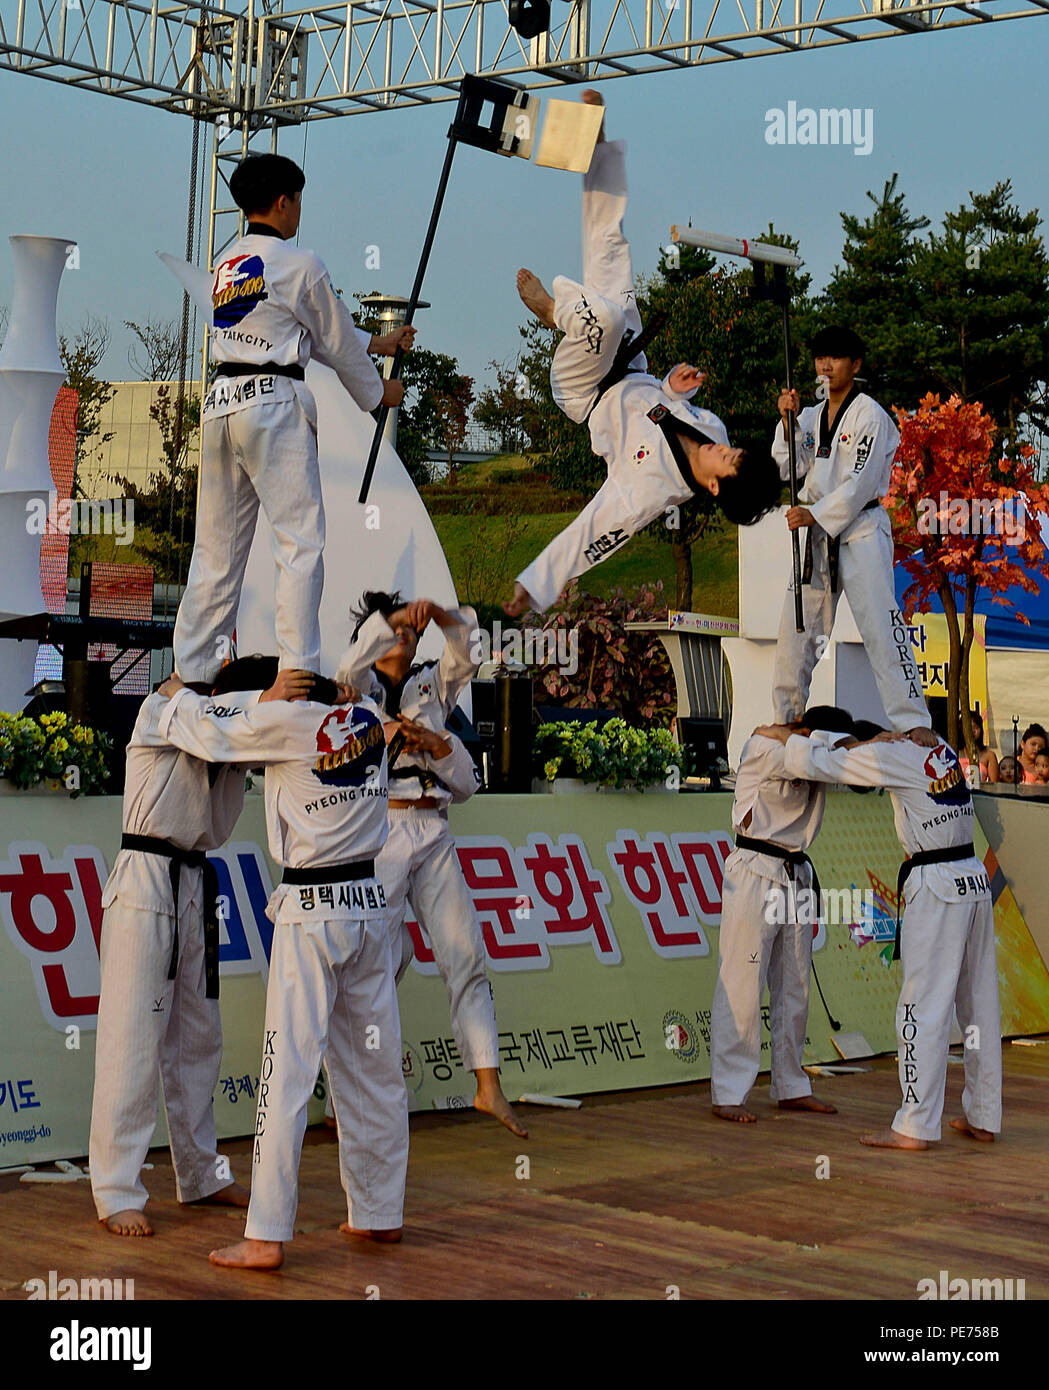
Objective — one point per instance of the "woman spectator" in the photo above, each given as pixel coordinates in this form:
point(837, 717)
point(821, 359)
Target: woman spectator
point(1034, 741)
point(987, 760)
point(1007, 770)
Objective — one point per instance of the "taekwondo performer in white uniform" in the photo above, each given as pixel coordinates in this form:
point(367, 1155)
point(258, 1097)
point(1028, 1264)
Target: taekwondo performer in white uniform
point(844, 449)
point(331, 983)
point(660, 450)
point(274, 309)
point(158, 1006)
point(767, 916)
point(947, 926)
point(418, 863)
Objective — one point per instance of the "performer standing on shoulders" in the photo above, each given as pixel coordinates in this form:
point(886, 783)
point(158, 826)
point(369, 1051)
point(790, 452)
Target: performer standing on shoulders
point(845, 448)
point(274, 309)
point(418, 863)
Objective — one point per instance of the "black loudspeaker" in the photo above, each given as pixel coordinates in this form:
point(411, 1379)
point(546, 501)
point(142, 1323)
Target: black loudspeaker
point(502, 716)
point(529, 17)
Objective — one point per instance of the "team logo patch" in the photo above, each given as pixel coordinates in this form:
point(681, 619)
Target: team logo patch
point(643, 453)
point(809, 440)
point(240, 286)
point(947, 785)
point(845, 438)
point(350, 744)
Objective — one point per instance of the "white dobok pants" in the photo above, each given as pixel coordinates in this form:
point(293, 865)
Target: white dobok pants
point(947, 951)
point(263, 454)
point(331, 994)
point(753, 951)
point(865, 576)
point(418, 865)
point(594, 315)
point(147, 1023)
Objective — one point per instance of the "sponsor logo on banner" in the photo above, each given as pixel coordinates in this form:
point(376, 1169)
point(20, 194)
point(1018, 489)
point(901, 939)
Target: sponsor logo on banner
point(682, 1036)
point(240, 286)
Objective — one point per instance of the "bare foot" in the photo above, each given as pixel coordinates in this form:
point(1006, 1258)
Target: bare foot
point(593, 98)
point(232, 1196)
point(962, 1125)
point(892, 1139)
point(491, 1101)
point(250, 1254)
point(739, 1113)
point(535, 297)
point(128, 1223)
point(821, 1107)
point(521, 602)
point(390, 1237)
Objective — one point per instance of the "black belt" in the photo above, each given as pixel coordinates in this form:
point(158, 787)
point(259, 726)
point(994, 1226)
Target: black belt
point(427, 779)
point(628, 349)
point(925, 856)
point(331, 873)
point(260, 369)
point(193, 859)
point(833, 550)
point(793, 858)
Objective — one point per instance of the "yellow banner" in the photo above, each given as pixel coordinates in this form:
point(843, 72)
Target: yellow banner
point(932, 653)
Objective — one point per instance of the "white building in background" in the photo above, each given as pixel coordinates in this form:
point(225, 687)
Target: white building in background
point(136, 448)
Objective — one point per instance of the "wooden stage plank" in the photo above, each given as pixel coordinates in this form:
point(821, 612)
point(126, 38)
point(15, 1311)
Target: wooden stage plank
point(635, 1193)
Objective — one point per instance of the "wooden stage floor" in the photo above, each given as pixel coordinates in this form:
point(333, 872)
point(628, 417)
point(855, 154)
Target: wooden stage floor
point(634, 1195)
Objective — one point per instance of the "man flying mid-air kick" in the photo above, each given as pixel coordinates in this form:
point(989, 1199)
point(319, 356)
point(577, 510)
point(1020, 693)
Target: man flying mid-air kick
point(660, 450)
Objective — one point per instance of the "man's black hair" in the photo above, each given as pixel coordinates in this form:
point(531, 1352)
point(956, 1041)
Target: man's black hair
point(246, 673)
point(753, 491)
point(866, 729)
point(834, 341)
point(827, 718)
point(260, 179)
point(375, 601)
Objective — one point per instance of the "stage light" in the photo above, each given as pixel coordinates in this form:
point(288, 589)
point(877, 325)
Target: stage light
point(529, 17)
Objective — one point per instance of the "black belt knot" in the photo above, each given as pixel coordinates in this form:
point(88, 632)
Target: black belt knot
point(833, 553)
point(925, 856)
point(793, 858)
point(193, 859)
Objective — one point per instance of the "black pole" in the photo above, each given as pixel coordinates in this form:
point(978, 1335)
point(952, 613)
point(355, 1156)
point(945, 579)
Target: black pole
point(431, 231)
point(799, 620)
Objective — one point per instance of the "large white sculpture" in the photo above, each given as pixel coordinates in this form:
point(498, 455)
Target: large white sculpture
point(390, 544)
point(30, 376)
point(843, 676)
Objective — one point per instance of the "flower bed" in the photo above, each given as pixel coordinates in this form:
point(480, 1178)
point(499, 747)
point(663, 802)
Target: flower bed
point(615, 755)
point(51, 749)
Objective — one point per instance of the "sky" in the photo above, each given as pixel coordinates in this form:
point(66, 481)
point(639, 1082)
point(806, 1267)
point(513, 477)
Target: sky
point(952, 112)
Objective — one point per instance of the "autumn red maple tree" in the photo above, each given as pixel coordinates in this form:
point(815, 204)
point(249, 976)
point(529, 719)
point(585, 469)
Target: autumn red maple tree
point(949, 454)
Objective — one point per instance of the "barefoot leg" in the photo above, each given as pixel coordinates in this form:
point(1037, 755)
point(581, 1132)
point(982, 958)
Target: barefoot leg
point(128, 1223)
point(250, 1254)
point(819, 1107)
point(593, 98)
point(491, 1101)
point(232, 1196)
point(739, 1113)
point(535, 296)
point(390, 1237)
point(890, 1138)
point(962, 1125)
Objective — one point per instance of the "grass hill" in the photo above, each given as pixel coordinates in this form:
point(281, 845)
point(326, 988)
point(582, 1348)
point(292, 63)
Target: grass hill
point(498, 515)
